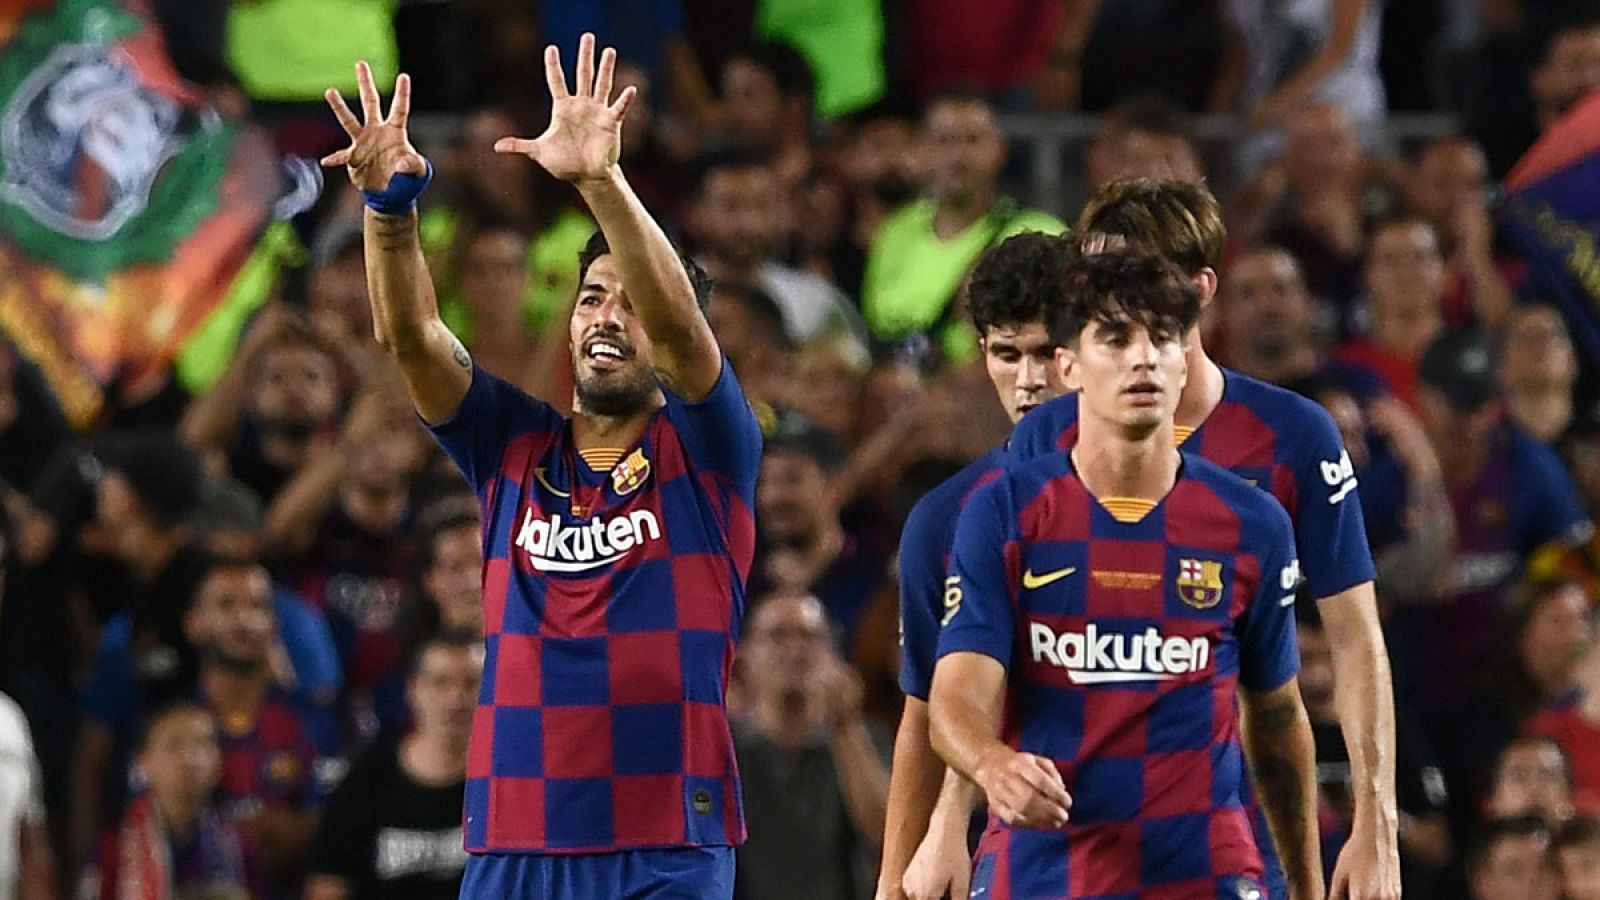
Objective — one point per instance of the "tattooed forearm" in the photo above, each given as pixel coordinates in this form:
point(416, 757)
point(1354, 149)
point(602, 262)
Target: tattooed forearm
point(458, 352)
point(1278, 743)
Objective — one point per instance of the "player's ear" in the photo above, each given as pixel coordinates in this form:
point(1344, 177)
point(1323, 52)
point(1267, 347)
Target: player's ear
point(1067, 368)
point(1206, 281)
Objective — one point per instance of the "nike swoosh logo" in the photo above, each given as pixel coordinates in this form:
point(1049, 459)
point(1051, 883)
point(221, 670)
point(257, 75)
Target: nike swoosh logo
point(1031, 581)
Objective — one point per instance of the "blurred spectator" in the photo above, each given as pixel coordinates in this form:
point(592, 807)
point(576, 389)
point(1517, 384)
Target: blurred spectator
point(1311, 202)
point(1531, 778)
point(1580, 449)
point(277, 400)
point(229, 526)
point(1577, 852)
point(1405, 293)
point(1170, 47)
point(829, 381)
point(815, 778)
point(1278, 56)
point(1538, 369)
point(1016, 53)
point(767, 92)
point(1510, 860)
point(1448, 186)
point(742, 223)
point(1568, 70)
point(174, 841)
point(804, 546)
point(452, 565)
point(1141, 137)
point(647, 33)
point(142, 487)
point(26, 867)
point(922, 253)
point(278, 757)
point(842, 41)
point(494, 281)
point(1269, 316)
point(1509, 495)
point(1575, 725)
point(336, 291)
point(32, 426)
point(392, 829)
point(751, 331)
point(882, 162)
point(342, 535)
point(1419, 783)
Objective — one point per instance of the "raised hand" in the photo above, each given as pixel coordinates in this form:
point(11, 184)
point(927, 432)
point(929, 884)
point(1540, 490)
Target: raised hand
point(379, 148)
point(584, 140)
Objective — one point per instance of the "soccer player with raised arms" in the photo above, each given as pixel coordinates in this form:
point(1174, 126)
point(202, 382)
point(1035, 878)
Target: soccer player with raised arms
point(616, 542)
point(1011, 290)
point(1108, 604)
point(1289, 446)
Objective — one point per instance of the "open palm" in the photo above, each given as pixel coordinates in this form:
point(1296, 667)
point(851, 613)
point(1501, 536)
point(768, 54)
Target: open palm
point(379, 148)
point(584, 139)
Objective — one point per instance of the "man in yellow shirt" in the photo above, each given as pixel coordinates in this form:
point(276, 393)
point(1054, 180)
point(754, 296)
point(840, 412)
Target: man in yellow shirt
point(921, 255)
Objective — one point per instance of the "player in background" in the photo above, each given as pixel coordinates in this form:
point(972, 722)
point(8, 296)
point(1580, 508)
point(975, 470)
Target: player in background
point(1109, 602)
point(616, 542)
point(1011, 290)
point(1289, 446)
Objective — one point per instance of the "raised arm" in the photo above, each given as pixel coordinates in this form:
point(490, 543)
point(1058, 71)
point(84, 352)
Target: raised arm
point(389, 172)
point(583, 145)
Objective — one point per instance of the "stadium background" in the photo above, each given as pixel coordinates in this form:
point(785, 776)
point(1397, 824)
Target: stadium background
point(186, 365)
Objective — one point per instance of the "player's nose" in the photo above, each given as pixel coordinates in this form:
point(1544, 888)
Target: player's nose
point(1032, 372)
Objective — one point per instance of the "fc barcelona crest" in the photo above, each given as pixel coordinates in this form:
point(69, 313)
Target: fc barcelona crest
point(630, 473)
point(1199, 582)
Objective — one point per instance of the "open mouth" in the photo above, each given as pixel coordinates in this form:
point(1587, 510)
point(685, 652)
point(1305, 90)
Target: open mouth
point(605, 354)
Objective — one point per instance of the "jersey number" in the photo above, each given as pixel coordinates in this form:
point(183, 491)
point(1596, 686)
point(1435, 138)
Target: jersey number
point(952, 599)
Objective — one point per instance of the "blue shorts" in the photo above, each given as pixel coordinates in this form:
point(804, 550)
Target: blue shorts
point(678, 873)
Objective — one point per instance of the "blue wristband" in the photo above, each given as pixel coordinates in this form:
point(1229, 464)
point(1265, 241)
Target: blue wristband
point(400, 197)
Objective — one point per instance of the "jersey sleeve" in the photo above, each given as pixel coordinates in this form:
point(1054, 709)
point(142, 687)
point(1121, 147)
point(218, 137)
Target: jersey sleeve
point(309, 641)
point(1039, 432)
point(1330, 532)
point(110, 698)
point(1550, 497)
point(720, 433)
point(924, 548)
point(1269, 654)
point(491, 414)
point(979, 611)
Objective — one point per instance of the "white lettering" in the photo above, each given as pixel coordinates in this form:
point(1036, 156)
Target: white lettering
point(554, 546)
point(1095, 657)
point(403, 852)
point(1339, 474)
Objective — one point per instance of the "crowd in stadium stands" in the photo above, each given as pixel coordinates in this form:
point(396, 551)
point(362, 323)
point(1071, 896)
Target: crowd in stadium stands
point(237, 637)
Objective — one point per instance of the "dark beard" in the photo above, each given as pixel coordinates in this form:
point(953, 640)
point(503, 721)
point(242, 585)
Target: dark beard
point(1269, 346)
point(620, 400)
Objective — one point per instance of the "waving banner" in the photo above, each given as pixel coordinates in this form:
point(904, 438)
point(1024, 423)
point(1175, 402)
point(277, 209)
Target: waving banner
point(1552, 214)
point(127, 203)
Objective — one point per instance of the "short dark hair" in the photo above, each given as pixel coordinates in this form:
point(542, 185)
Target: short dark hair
point(1504, 828)
point(1149, 111)
point(1531, 595)
point(597, 247)
point(1135, 285)
point(1180, 220)
point(728, 159)
point(1577, 832)
point(786, 65)
point(453, 639)
point(444, 524)
point(766, 317)
point(1018, 280)
point(162, 709)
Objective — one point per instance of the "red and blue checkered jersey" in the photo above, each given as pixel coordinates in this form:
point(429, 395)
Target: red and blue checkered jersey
point(1124, 646)
point(611, 605)
point(925, 566)
point(1275, 439)
point(284, 757)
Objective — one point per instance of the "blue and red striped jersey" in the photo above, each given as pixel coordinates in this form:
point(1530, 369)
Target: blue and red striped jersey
point(1124, 645)
point(925, 567)
point(611, 605)
point(1275, 439)
point(285, 757)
